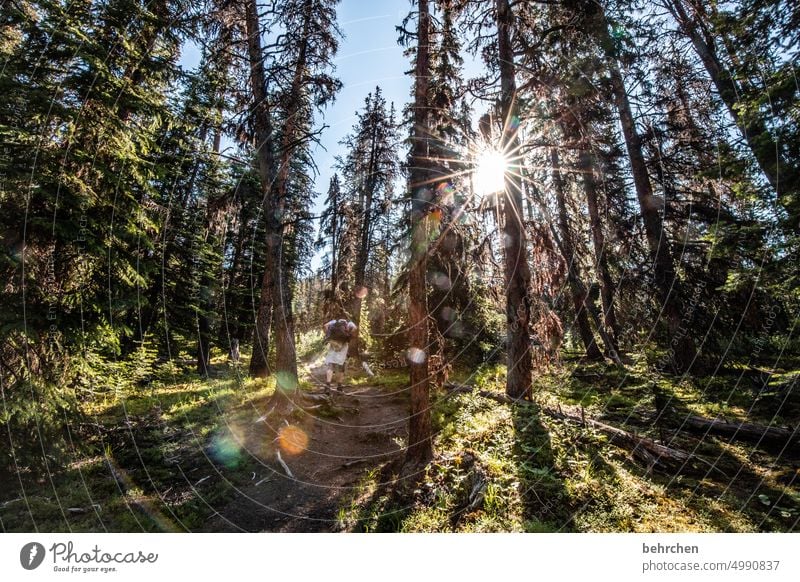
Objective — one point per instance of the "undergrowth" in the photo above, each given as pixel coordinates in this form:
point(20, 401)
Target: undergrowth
point(500, 468)
point(160, 455)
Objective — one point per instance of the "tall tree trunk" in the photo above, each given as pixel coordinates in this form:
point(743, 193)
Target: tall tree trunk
point(334, 256)
point(752, 128)
point(262, 123)
point(666, 284)
point(283, 318)
point(586, 170)
point(420, 446)
point(232, 307)
point(205, 303)
point(579, 295)
point(206, 299)
point(364, 245)
point(517, 271)
point(204, 327)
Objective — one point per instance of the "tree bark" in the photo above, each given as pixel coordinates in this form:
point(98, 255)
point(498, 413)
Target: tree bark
point(420, 446)
point(667, 286)
point(607, 288)
point(364, 244)
point(203, 342)
point(206, 302)
point(233, 326)
point(283, 317)
point(334, 256)
point(517, 270)
point(262, 123)
point(579, 295)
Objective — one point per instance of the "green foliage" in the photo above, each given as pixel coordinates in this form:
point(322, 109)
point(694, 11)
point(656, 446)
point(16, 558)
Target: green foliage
point(311, 344)
point(542, 475)
point(37, 416)
point(133, 479)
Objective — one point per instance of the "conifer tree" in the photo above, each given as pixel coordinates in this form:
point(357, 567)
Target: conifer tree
point(369, 171)
point(420, 446)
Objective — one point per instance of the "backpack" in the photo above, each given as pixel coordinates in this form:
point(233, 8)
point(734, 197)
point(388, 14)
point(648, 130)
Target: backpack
point(339, 331)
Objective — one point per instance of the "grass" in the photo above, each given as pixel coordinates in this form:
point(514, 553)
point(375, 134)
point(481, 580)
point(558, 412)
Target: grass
point(161, 457)
point(540, 474)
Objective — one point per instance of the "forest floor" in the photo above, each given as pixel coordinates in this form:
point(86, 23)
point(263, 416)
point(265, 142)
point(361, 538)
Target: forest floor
point(325, 455)
point(189, 454)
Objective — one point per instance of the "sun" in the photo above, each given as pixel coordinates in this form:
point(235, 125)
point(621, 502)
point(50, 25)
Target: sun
point(490, 172)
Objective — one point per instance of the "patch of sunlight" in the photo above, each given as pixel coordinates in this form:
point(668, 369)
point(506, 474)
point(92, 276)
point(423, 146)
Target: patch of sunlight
point(350, 513)
point(83, 464)
point(427, 520)
point(140, 398)
point(260, 386)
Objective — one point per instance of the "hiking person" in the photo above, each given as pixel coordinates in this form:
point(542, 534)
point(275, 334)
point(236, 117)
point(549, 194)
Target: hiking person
point(338, 333)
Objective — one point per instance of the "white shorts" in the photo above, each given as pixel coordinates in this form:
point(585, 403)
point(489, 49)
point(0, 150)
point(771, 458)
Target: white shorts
point(337, 353)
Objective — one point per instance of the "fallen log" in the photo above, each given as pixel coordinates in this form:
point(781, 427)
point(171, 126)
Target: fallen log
point(758, 434)
point(653, 455)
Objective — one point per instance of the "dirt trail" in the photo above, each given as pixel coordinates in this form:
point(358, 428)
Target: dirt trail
point(367, 432)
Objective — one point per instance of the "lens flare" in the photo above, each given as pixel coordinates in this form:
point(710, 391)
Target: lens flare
point(226, 450)
point(292, 440)
point(416, 355)
point(456, 329)
point(441, 281)
point(445, 193)
point(490, 172)
point(286, 381)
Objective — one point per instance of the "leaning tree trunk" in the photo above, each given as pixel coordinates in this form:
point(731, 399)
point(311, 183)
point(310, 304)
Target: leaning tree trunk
point(665, 280)
point(579, 295)
point(262, 123)
point(420, 446)
point(759, 140)
point(517, 271)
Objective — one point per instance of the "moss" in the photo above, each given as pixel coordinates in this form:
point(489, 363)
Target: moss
point(155, 439)
point(544, 475)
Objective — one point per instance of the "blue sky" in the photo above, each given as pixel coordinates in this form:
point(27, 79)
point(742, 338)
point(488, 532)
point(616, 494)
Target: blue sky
point(369, 55)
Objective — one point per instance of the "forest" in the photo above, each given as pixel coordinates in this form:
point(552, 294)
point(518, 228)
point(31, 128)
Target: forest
point(569, 254)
